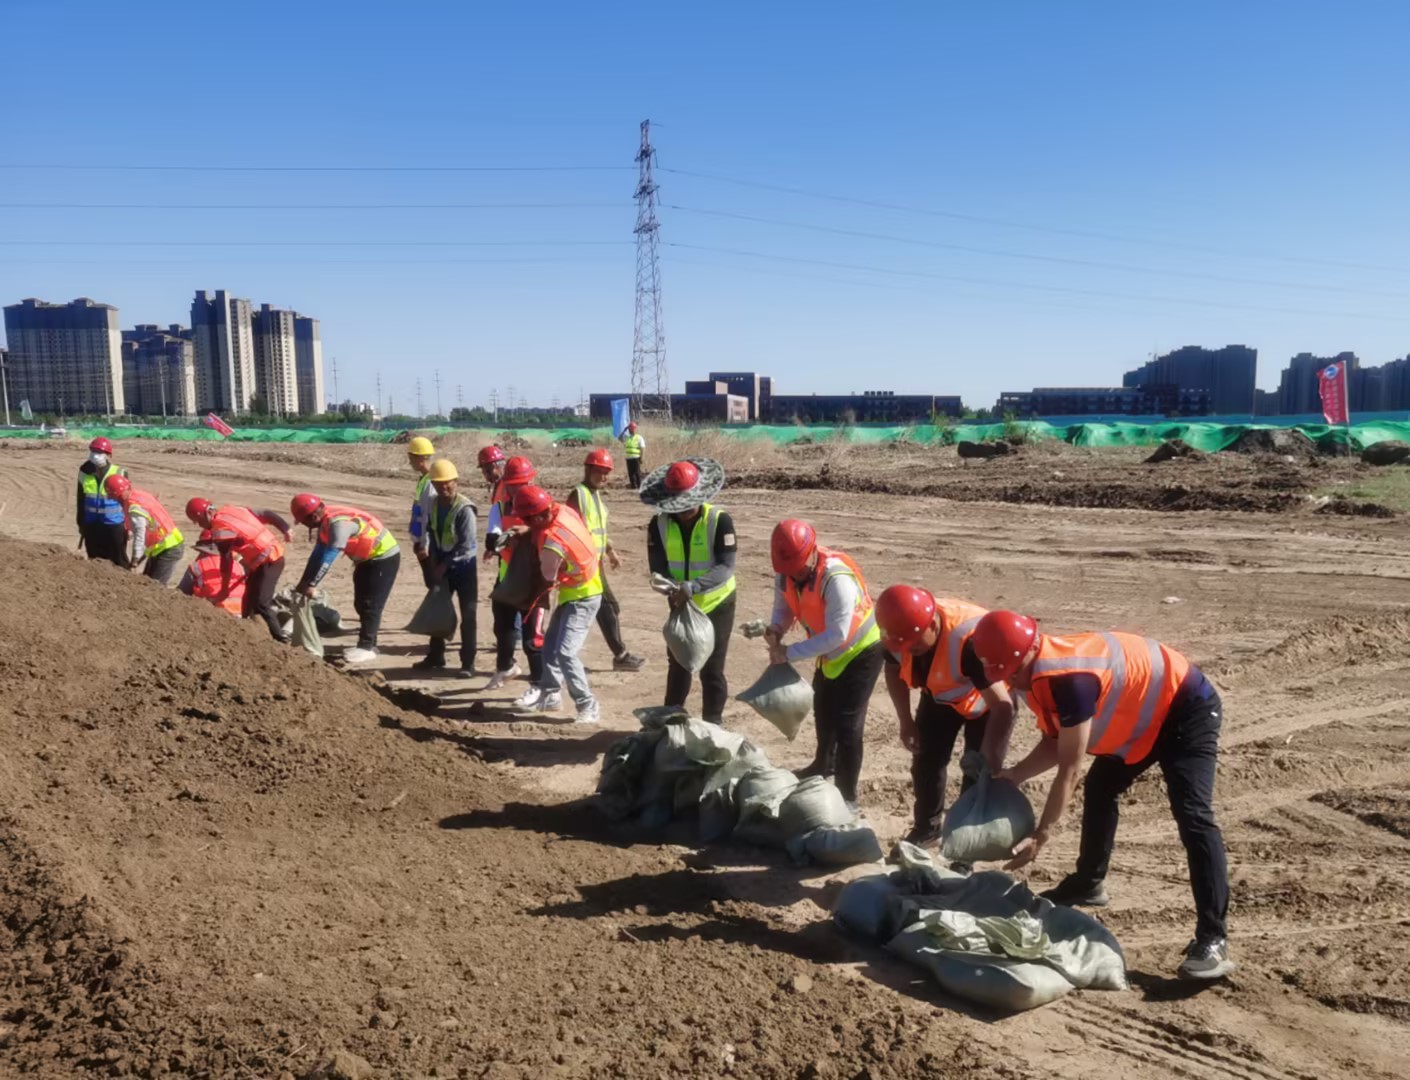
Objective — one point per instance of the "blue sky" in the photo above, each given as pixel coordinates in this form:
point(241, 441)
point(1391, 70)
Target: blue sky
point(1067, 186)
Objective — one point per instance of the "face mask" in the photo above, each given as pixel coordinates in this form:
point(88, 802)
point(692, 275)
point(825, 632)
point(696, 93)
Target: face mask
point(99, 460)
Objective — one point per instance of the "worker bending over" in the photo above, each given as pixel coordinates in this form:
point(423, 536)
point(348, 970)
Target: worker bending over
point(823, 591)
point(241, 532)
point(449, 560)
point(101, 523)
point(155, 537)
point(510, 624)
point(586, 499)
point(203, 578)
point(1131, 703)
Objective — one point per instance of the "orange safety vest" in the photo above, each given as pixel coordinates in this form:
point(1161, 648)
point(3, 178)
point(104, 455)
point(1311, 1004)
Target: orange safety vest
point(364, 542)
point(946, 683)
point(568, 532)
point(205, 582)
point(810, 608)
point(1139, 679)
point(162, 524)
point(256, 542)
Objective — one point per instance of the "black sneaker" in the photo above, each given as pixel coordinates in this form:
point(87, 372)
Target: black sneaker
point(628, 662)
point(430, 663)
point(922, 836)
point(1072, 891)
point(1207, 960)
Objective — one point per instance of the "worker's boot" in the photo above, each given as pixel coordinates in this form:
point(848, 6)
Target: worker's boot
point(628, 662)
point(1207, 960)
point(499, 678)
point(1073, 891)
point(432, 661)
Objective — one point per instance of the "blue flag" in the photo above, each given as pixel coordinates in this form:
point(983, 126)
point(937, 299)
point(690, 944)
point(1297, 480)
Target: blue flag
point(621, 416)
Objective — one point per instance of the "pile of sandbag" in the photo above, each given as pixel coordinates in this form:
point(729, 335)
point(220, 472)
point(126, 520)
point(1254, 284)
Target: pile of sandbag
point(678, 767)
point(983, 937)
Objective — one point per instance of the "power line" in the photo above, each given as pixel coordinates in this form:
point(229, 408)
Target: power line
point(314, 243)
point(319, 168)
point(620, 205)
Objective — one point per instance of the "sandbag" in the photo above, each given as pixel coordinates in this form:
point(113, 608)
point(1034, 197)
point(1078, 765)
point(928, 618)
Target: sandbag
point(814, 803)
point(835, 845)
point(994, 981)
point(523, 584)
point(304, 628)
point(875, 907)
point(690, 637)
point(436, 615)
point(328, 618)
point(782, 697)
point(759, 795)
point(986, 821)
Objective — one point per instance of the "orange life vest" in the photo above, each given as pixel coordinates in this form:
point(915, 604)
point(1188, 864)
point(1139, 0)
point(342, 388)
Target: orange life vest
point(162, 524)
point(946, 682)
point(1139, 679)
point(809, 605)
point(255, 542)
point(569, 534)
point(363, 544)
point(205, 582)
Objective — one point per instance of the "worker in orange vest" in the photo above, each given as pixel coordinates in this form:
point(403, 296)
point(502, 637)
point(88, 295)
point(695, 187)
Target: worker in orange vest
point(203, 578)
point(567, 554)
point(376, 558)
point(156, 541)
point(511, 625)
point(929, 647)
point(249, 534)
point(823, 591)
point(1131, 702)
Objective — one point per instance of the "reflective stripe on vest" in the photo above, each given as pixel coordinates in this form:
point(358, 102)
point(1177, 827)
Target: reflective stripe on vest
point(442, 523)
point(701, 558)
point(594, 515)
point(162, 533)
point(205, 583)
point(945, 681)
point(371, 540)
point(417, 527)
point(579, 575)
point(254, 541)
point(632, 445)
point(507, 521)
point(1139, 679)
point(100, 508)
point(809, 607)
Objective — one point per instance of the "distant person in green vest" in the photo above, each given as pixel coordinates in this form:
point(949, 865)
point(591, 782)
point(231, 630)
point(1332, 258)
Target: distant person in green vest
point(586, 499)
point(692, 542)
point(450, 559)
point(100, 518)
point(155, 538)
point(633, 446)
point(420, 452)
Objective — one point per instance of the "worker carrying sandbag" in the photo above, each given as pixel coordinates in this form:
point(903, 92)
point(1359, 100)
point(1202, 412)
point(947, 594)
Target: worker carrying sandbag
point(256, 538)
point(822, 590)
point(205, 580)
point(928, 648)
point(521, 619)
point(449, 563)
point(1131, 703)
point(692, 542)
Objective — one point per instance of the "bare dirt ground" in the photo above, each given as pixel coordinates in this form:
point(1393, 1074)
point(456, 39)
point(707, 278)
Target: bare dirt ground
point(225, 859)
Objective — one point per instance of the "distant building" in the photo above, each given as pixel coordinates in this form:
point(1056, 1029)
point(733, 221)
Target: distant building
point(1227, 375)
point(870, 407)
point(1385, 388)
point(1297, 386)
point(721, 407)
point(223, 334)
point(159, 371)
point(756, 389)
point(65, 358)
point(308, 362)
point(1103, 401)
point(276, 370)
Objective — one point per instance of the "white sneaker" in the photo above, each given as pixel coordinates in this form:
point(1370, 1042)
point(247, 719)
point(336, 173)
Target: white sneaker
point(591, 713)
point(499, 678)
point(529, 699)
point(357, 655)
point(550, 702)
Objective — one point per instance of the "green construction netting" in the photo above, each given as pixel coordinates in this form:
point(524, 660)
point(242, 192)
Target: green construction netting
point(1202, 436)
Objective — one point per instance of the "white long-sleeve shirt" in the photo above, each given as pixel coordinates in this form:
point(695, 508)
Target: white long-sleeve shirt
point(840, 598)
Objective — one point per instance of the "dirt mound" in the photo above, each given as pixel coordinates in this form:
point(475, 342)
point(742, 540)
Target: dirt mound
point(1174, 448)
point(1388, 452)
point(1274, 441)
point(1331, 645)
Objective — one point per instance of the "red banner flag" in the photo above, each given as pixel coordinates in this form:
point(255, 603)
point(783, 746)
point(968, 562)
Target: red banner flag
point(215, 423)
point(1331, 384)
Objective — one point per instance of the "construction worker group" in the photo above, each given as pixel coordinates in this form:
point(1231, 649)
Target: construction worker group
point(1129, 702)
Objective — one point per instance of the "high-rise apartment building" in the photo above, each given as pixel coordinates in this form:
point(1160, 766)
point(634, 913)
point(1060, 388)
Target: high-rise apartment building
point(308, 360)
point(276, 372)
point(159, 370)
point(65, 358)
point(1228, 374)
point(223, 335)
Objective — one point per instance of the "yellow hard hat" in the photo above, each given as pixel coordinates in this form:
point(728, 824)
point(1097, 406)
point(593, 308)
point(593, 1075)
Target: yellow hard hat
point(443, 470)
point(420, 447)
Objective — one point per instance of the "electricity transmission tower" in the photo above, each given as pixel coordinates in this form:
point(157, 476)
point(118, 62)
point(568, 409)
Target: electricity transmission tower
point(651, 392)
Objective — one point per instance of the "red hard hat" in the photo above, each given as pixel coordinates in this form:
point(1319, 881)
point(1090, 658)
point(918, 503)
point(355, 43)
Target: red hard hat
point(1001, 641)
point(101, 445)
point(197, 508)
point(681, 476)
point(903, 612)
point(599, 459)
point(304, 507)
point(490, 454)
point(530, 500)
point(518, 470)
point(791, 545)
point(631, 426)
point(117, 485)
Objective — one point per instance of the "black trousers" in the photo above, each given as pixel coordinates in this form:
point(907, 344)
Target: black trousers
point(464, 584)
point(938, 727)
point(609, 617)
point(372, 585)
point(840, 717)
point(714, 688)
point(513, 628)
point(163, 568)
point(261, 584)
point(109, 542)
point(634, 471)
point(1187, 751)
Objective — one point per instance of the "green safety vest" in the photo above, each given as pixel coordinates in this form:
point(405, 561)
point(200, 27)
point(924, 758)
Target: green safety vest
point(417, 525)
point(98, 506)
point(166, 543)
point(594, 515)
point(632, 444)
point(701, 558)
point(442, 523)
